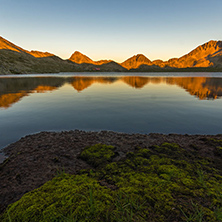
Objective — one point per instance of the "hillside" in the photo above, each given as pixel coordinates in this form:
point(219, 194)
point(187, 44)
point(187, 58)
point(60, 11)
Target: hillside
point(208, 55)
point(16, 60)
point(199, 57)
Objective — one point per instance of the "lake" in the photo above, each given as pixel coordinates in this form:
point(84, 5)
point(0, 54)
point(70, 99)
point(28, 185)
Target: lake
point(184, 103)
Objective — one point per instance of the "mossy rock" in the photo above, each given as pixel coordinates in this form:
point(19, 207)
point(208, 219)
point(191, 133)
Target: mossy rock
point(98, 155)
point(65, 198)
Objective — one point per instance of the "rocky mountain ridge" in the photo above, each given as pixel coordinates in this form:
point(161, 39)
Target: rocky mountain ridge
point(5, 44)
point(16, 60)
point(80, 58)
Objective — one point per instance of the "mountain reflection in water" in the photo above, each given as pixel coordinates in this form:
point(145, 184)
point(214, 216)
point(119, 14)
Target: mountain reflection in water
point(13, 89)
point(130, 104)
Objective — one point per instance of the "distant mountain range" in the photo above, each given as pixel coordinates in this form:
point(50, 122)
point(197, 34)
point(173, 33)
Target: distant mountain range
point(15, 60)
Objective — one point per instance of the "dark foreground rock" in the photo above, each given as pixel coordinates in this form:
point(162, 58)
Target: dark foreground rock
point(36, 159)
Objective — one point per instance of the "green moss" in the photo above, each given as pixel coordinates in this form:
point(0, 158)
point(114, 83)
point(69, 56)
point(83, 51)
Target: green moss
point(162, 179)
point(66, 196)
point(215, 141)
point(148, 185)
point(146, 153)
point(98, 154)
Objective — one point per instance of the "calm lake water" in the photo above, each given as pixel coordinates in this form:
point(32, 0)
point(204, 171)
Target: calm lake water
point(125, 103)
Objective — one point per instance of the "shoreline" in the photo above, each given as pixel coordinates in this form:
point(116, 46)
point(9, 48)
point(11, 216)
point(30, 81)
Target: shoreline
point(36, 159)
point(132, 72)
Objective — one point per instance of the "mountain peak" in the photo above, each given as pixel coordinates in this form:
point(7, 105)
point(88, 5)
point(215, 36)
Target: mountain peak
point(141, 58)
point(199, 57)
point(208, 47)
point(77, 53)
point(213, 43)
point(79, 58)
point(135, 61)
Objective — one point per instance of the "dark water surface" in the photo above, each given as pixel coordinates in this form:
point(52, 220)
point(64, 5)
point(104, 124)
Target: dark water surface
point(180, 104)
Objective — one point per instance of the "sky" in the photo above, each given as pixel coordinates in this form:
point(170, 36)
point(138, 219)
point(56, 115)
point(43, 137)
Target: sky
point(116, 30)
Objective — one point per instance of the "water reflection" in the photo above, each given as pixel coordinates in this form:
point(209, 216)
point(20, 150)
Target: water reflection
point(12, 90)
point(81, 83)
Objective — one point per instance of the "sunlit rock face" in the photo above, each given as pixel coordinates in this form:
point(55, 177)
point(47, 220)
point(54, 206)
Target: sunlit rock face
point(88, 64)
point(39, 54)
point(80, 58)
point(136, 61)
point(206, 55)
point(5, 44)
point(199, 57)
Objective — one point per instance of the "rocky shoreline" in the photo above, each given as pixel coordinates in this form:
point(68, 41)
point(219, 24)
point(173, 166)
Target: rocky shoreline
point(36, 159)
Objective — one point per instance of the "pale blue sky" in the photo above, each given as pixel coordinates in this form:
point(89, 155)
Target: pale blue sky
point(115, 30)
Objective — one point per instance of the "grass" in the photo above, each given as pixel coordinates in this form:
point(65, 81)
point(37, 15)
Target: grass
point(196, 215)
point(162, 183)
